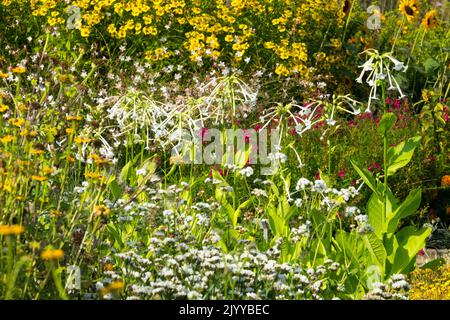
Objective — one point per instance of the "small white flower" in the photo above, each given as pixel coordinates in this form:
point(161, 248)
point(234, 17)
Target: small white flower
point(302, 184)
point(247, 171)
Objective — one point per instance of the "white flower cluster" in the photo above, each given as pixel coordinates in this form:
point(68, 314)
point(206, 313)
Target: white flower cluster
point(174, 267)
point(396, 288)
point(380, 67)
point(363, 224)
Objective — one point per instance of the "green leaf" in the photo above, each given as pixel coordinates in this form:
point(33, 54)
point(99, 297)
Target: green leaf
point(366, 176)
point(375, 213)
point(410, 241)
point(276, 222)
point(376, 250)
point(407, 208)
point(350, 246)
point(400, 155)
point(391, 247)
point(115, 188)
point(434, 264)
point(238, 211)
point(430, 65)
point(387, 122)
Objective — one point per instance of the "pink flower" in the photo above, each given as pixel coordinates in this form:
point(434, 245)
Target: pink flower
point(203, 131)
point(421, 252)
point(246, 135)
point(341, 173)
point(374, 165)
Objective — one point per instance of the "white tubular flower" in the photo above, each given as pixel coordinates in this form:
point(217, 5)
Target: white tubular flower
point(381, 67)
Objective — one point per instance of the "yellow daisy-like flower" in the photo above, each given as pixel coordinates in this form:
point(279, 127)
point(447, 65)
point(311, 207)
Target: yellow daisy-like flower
point(82, 140)
point(281, 70)
point(11, 230)
point(48, 170)
point(101, 210)
point(19, 69)
point(430, 20)
point(8, 138)
point(52, 254)
point(3, 108)
point(38, 178)
point(409, 8)
point(74, 118)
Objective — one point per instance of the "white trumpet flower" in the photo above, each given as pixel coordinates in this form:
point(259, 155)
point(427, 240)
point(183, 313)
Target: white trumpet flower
point(381, 67)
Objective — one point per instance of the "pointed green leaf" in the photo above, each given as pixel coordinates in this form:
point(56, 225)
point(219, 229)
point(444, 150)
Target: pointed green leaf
point(376, 250)
point(410, 241)
point(407, 208)
point(375, 213)
point(366, 176)
point(400, 155)
point(387, 122)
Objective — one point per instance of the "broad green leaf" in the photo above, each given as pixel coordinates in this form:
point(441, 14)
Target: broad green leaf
point(276, 222)
point(430, 65)
point(115, 188)
point(407, 208)
point(376, 250)
point(366, 176)
point(434, 264)
point(410, 241)
point(350, 247)
point(375, 213)
point(387, 122)
point(238, 211)
point(285, 250)
point(391, 247)
point(400, 155)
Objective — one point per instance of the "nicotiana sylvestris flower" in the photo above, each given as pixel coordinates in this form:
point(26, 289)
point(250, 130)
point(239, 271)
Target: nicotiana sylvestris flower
point(380, 68)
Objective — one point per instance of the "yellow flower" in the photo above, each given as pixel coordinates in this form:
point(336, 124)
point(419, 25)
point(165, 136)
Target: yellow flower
point(101, 210)
point(11, 230)
point(16, 122)
point(69, 131)
point(99, 160)
point(19, 69)
point(114, 287)
point(229, 38)
point(281, 70)
point(93, 175)
point(409, 8)
point(84, 31)
point(74, 118)
point(48, 170)
point(52, 254)
point(56, 213)
point(82, 140)
point(37, 151)
point(38, 178)
point(8, 138)
point(445, 182)
point(428, 284)
point(3, 107)
point(430, 20)
point(3, 75)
